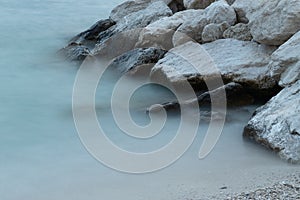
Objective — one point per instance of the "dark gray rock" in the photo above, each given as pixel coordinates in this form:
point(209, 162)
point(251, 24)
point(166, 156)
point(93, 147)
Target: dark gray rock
point(176, 5)
point(92, 33)
point(276, 125)
point(230, 2)
point(132, 60)
point(235, 96)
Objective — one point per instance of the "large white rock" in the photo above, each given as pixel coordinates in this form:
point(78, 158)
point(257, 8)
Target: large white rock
point(277, 124)
point(285, 63)
point(160, 33)
point(271, 22)
point(126, 8)
point(140, 19)
point(217, 13)
point(129, 7)
point(175, 20)
point(238, 61)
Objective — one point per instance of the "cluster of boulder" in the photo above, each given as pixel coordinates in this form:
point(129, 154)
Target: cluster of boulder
point(255, 45)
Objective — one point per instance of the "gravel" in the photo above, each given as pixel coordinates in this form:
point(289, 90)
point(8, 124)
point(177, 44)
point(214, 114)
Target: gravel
point(288, 189)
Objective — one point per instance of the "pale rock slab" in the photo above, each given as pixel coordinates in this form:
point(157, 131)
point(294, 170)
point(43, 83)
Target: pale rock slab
point(285, 62)
point(276, 125)
point(237, 61)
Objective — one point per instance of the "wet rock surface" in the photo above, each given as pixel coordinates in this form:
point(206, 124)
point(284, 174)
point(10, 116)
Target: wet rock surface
point(235, 96)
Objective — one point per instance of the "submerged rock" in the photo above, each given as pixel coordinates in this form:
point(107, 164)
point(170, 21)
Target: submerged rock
point(276, 125)
point(132, 60)
point(285, 62)
point(238, 61)
point(271, 22)
point(239, 31)
point(235, 96)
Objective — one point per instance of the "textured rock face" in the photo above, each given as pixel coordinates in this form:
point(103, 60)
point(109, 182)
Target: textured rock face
point(197, 4)
point(132, 60)
point(75, 52)
point(271, 22)
point(230, 2)
point(117, 44)
point(128, 7)
point(217, 13)
point(239, 31)
point(190, 30)
point(277, 124)
point(160, 33)
point(238, 61)
point(285, 62)
point(212, 32)
point(140, 19)
point(175, 5)
point(93, 32)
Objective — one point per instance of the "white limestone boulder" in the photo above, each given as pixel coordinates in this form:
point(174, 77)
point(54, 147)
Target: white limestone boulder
point(276, 125)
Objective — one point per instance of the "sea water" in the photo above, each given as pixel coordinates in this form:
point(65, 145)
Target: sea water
point(41, 155)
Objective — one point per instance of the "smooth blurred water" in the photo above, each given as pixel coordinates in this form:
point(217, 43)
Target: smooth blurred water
point(41, 156)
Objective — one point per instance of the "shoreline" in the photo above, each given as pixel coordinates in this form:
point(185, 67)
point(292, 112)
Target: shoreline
point(266, 74)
